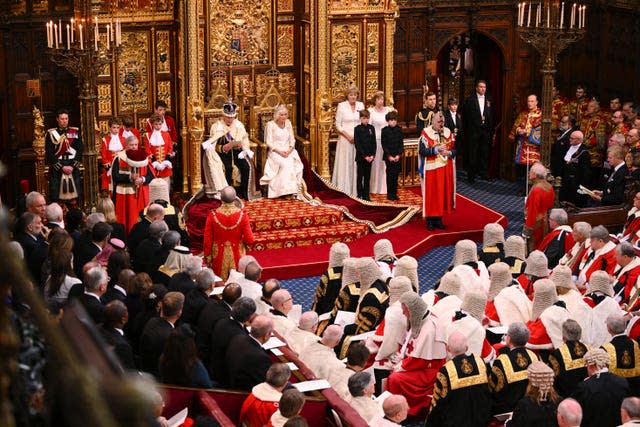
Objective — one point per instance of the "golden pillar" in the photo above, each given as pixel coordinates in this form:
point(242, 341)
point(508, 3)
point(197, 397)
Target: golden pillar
point(194, 108)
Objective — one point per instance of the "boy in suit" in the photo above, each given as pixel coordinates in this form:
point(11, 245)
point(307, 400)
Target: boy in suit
point(364, 136)
point(393, 146)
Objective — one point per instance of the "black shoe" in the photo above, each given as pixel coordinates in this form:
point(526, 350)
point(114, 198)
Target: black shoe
point(393, 198)
point(439, 225)
point(429, 225)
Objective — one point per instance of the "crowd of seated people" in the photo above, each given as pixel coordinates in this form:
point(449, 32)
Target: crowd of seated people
point(533, 339)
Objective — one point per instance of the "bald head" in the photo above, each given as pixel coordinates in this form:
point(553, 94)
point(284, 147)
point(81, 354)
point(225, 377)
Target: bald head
point(395, 408)
point(228, 194)
point(630, 409)
point(280, 301)
point(231, 293)
point(569, 413)
point(252, 271)
point(576, 137)
point(308, 321)
point(457, 343)
point(332, 336)
point(155, 212)
point(261, 328)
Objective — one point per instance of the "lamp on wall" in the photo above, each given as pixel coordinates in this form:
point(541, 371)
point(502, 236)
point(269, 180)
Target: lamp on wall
point(550, 26)
point(83, 47)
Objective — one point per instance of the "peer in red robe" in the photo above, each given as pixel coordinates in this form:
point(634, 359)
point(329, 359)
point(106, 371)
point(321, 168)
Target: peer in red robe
point(437, 145)
point(131, 177)
point(540, 199)
point(632, 225)
point(601, 258)
point(556, 244)
point(112, 144)
point(625, 286)
point(226, 232)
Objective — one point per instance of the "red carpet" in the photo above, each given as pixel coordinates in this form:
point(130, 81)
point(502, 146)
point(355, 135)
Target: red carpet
point(413, 238)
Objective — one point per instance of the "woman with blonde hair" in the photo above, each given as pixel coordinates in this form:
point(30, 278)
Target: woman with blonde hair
point(378, 112)
point(107, 208)
point(283, 170)
point(347, 118)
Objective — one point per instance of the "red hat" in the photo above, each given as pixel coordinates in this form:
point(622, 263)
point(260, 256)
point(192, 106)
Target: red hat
point(24, 185)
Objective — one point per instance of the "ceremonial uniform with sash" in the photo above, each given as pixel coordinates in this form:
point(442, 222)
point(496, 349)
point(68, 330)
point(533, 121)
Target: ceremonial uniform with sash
point(226, 232)
point(63, 147)
point(460, 394)
point(528, 148)
point(624, 360)
point(111, 146)
point(593, 127)
point(439, 182)
point(508, 379)
point(568, 366)
point(540, 200)
point(130, 198)
point(327, 290)
point(223, 134)
point(160, 149)
point(424, 119)
point(577, 108)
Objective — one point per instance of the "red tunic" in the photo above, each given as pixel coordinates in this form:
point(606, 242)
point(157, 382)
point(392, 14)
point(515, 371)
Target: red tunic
point(108, 154)
point(438, 193)
point(226, 232)
point(133, 130)
point(540, 199)
point(531, 122)
point(538, 338)
point(256, 412)
point(170, 125)
point(130, 200)
point(160, 153)
point(626, 277)
point(632, 226)
point(415, 382)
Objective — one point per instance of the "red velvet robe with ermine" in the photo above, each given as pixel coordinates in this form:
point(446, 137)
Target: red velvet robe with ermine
point(226, 232)
point(439, 185)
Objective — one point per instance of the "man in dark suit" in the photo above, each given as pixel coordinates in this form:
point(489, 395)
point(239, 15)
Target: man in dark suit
point(116, 316)
point(95, 285)
point(246, 360)
point(86, 252)
point(602, 393)
point(242, 312)
point(214, 311)
point(576, 170)
point(614, 180)
point(33, 243)
point(453, 121)
point(477, 117)
point(140, 230)
point(147, 258)
point(560, 146)
point(196, 299)
point(55, 216)
point(157, 330)
point(118, 291)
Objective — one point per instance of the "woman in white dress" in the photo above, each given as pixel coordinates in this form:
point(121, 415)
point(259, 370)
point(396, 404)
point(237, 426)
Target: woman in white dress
point(283, 170)
point(378, 182)
point(347, 118)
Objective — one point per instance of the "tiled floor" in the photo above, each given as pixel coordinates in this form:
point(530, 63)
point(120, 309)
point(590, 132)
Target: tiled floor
point(498, 195)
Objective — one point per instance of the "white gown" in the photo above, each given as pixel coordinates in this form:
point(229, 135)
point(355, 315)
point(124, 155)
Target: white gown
point(378, 183)
point(282, 175)
point(344, 167)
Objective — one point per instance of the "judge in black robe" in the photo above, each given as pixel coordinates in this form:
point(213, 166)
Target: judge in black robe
point(327, 290)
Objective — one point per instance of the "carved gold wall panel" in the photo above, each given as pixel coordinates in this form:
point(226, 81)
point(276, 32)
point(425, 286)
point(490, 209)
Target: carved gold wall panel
point(164, 93)
point(133, 72)
point(373, 41)
point(139, 10)
point(373, 84)
point(285, 5)
point(104, 100)
point(284, 45)
point(356, 6)
point(345, 58)
point(238, 37)
point(163, 59)
point(103, 125)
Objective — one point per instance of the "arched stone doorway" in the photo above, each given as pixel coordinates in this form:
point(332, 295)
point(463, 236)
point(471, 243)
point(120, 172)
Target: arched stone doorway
point(461, 61)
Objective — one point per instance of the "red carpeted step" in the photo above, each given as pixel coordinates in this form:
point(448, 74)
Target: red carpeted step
point(346, 231)
point(267, 215)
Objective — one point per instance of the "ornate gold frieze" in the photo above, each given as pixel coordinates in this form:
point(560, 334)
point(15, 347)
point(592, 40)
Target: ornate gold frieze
point(373, 84)
point(373, 41)
point(164, 92)
point(138, 10)
point(238, 37)
point(285, 45)
point(356, 6)
point(285, 5)
point(104, 100)
point(345, 42)
point(162, 52)
point(133, 72)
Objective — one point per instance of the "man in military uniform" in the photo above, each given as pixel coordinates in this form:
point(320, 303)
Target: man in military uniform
point(425, 115)
point(331, 280)
point(232, 145)
point(63, 152)
point(460, 394)
point(567, 360)
point(624, 353)
point(578, 106)
point(508, 379)
point(558, 108)
point(526, 133)
point(594, 128)
point(226, 232)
